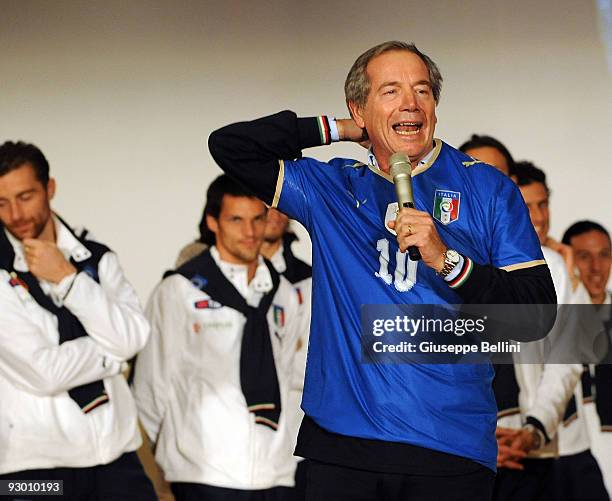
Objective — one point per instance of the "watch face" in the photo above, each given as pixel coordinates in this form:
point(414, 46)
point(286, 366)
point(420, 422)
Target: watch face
point(452, 256)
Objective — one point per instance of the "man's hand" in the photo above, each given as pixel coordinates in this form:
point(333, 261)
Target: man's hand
point(507, 455)
point(46, 261)
point(415, 227)
point(349, 131)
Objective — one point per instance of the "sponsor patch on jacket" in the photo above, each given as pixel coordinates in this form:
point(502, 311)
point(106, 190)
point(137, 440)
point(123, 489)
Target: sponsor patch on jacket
point(446, 206)
point(279, 316)
point(205, 304)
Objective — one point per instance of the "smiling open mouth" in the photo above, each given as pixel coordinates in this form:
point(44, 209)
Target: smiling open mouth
point(407, 128)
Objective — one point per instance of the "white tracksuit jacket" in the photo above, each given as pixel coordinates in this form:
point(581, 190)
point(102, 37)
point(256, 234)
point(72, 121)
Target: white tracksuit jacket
point(40, 425)
point(187, 384)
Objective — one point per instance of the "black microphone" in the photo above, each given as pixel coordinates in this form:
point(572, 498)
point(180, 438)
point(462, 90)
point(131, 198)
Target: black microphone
point(401, 169)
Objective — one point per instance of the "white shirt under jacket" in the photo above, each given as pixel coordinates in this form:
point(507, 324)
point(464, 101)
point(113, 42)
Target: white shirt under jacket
point(545, 389)
point(40, 425)
point(187, 384)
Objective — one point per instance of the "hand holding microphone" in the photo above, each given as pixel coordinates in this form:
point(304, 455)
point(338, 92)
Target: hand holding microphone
point(401, 172)
point(416, 230)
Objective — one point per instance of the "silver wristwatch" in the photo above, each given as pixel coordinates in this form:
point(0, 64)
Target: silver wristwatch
point(451, 259)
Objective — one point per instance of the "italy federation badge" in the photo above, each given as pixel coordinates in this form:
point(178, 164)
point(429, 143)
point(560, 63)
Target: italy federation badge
point(446, 206)
point(279, 316)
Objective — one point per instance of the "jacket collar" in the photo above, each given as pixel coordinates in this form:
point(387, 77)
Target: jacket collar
point(70, 246)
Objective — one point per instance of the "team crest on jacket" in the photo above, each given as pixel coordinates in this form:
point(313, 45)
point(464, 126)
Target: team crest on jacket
point(279, 316)
point(446, 206)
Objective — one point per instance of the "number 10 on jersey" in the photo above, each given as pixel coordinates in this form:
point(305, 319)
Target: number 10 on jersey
point(404, 277)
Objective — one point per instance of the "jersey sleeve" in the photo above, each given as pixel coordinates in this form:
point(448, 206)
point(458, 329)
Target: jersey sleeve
point(515, 243)
point(300, 184)
point(517, 272)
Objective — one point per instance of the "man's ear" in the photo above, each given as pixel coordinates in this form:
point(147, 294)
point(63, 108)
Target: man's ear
point(212, 223)
point(356, 114)
point(50, 188)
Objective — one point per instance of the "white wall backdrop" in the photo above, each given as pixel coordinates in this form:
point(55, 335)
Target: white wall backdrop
point(121, 95)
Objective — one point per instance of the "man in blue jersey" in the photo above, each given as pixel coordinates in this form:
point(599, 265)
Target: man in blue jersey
point(392, 431)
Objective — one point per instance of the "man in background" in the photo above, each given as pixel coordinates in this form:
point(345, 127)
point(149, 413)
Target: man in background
point(590, 243)
point(68, 322)
point(576, 473)
point(490, 151)
point(213, 384)
point(533, 396)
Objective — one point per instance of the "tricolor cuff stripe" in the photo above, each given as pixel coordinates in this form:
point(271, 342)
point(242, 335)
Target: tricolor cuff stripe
point(466, 271)
point(102, 399)
point(324, 130)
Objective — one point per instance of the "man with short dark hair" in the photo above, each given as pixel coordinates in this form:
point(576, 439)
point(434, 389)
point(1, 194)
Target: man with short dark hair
point(490, 151)
point(590, 243)
point(392, 431)
point(213, 383)
point(532, 183)
point(69, 321)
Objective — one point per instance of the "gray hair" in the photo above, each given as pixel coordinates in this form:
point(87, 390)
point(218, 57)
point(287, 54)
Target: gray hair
point(357, 84)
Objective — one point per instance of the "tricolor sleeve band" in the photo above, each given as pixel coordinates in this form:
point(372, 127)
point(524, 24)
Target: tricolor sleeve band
point(324, 130)
point(458, 267)
point(463, 275)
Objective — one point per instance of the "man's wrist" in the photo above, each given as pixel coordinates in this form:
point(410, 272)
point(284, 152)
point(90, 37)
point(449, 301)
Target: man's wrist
point(64, 285)
point(334, 130)
point(537, 437)
point(461, 273)
point(67, 269)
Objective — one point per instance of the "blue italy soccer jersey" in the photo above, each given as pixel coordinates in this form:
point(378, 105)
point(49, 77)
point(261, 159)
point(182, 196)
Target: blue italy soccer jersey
point(356, 261)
